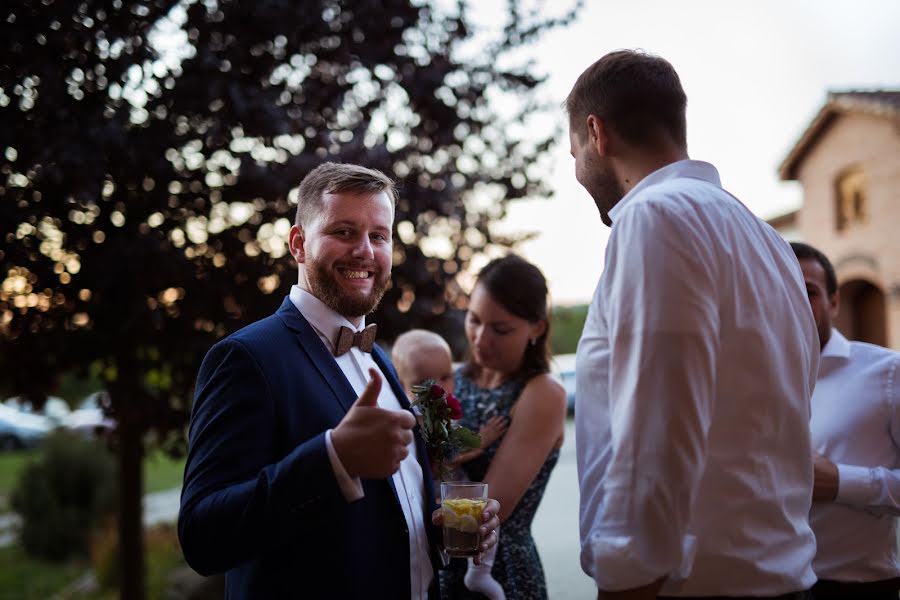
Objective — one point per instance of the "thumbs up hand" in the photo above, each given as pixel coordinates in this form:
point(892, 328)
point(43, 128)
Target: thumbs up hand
point(370, 441)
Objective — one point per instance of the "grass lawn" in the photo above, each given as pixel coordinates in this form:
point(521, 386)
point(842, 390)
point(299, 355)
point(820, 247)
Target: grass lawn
point(26, 578)
point(160, 472)
point(11, 463)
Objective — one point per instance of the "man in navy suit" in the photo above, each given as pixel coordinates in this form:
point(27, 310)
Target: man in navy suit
point(306, 476)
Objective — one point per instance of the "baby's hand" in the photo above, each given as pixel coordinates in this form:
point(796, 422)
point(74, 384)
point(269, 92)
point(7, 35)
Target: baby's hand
point(492, 429)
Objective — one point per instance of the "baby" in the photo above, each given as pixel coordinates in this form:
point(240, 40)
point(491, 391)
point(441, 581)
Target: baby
point(418, 355)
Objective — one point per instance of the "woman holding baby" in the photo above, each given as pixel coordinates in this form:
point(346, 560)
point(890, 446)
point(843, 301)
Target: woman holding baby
point(506, 386)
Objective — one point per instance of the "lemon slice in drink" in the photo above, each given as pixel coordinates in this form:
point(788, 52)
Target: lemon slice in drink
point(467, 523)
point(451, 519)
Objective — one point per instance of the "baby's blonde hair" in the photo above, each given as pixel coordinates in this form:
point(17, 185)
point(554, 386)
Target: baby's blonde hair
point(407, 344)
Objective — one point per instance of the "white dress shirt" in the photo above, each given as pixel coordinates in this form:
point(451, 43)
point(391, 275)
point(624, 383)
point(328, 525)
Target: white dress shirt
point(693, 381)
point(856, 424)
point(408, 480)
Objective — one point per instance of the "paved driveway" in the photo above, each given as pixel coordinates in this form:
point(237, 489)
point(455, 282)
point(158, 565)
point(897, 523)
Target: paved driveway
point(555, 529)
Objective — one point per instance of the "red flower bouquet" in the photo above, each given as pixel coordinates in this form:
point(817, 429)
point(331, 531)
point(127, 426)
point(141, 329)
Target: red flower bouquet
point(443, 437)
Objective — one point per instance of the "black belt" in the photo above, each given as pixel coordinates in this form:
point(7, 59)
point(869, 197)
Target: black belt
point(827, 589)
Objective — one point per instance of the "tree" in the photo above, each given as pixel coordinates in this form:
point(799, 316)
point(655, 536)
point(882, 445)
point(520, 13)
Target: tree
point(148, 152)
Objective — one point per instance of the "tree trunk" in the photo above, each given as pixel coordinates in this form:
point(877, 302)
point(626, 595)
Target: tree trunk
point(125, 395)
point(131, 529)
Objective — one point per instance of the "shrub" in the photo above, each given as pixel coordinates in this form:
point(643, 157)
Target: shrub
point(62, 495)
point(104, 551)
point(163, 556)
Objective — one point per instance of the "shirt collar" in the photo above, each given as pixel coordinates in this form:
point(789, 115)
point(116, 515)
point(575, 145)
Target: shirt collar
point(323, 319)
point(694, 169)
point(837, 346)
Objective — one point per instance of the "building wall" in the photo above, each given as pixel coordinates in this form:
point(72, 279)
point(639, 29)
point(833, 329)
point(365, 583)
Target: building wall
point(869, 251)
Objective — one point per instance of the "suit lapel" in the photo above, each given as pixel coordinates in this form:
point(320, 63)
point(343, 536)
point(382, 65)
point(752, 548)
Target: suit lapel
point(320, 356)
point(421, 455)
point(381, 360)
point(318, 353)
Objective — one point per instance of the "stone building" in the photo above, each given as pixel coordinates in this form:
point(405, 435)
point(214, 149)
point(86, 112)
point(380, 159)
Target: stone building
point(848, 163)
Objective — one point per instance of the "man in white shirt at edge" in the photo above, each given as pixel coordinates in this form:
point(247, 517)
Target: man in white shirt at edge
point(304, 473)
point(695, 367)
point(856, 437)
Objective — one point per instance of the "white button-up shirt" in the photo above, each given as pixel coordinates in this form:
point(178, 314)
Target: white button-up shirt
point(408, 480)
point(856, 424)
point(694, 376)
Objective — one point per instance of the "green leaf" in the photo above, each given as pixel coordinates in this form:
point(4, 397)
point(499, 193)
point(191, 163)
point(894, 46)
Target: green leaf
point(465, 438)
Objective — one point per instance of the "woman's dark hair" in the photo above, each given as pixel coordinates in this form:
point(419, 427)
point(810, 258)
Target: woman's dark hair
point(521, 289)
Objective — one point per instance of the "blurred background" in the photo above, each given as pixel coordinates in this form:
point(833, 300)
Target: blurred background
point(147, 153)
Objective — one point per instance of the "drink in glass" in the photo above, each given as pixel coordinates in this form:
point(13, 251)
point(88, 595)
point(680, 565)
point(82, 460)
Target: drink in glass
point(462, 505)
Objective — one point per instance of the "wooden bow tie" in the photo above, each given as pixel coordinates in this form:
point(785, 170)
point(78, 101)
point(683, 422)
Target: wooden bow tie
point(347, 338)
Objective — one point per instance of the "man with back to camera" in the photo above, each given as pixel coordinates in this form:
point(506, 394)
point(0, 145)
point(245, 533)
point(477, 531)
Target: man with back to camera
point(856, 437)
point(695, 366)
point(306, 476)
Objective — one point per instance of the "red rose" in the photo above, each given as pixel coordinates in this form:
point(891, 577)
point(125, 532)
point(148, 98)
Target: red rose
point(436, 391)
point(455, 408)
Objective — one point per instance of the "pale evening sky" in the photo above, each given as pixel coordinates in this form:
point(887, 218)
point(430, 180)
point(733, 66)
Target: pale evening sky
point(755, 72)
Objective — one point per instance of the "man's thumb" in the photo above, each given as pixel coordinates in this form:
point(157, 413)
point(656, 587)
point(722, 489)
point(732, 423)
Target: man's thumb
point(369, 397)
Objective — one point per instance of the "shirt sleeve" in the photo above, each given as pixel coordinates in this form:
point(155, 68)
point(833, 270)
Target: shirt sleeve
point(351, 487)
point(663, 324)
point(877, 489)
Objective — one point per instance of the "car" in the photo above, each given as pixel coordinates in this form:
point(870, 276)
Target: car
point(568, 381)
point(88, 419)
point(563, 366)
point(21, 429)
point(55, 409)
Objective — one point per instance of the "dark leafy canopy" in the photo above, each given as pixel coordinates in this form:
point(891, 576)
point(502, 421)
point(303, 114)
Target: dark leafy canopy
point(148, 147)
point(148, 150)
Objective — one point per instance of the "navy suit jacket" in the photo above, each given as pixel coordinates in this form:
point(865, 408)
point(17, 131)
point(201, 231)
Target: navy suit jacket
point(260, 501)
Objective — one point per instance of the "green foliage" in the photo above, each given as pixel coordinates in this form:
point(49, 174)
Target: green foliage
point(163, 556)
point(23, 577)
point(464, 438)
point(443, 436)
point(62, 494)
point(104, 555)
point(566, 324)
point(145, 177)
point(162, 472)
point(11, 466)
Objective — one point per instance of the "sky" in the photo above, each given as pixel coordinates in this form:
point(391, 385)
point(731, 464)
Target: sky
point(755, 72)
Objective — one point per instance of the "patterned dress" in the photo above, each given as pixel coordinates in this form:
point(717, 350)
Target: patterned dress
point(517, 566)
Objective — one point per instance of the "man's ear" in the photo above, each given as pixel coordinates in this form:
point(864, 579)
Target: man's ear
point(598, 135)
point(295, 243)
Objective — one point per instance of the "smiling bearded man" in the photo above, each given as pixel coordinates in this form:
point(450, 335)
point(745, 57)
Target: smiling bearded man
point(304, 475)
point(341, 239)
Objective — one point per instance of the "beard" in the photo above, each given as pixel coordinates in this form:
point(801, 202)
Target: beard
point(324, 286)
point(601, 183)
